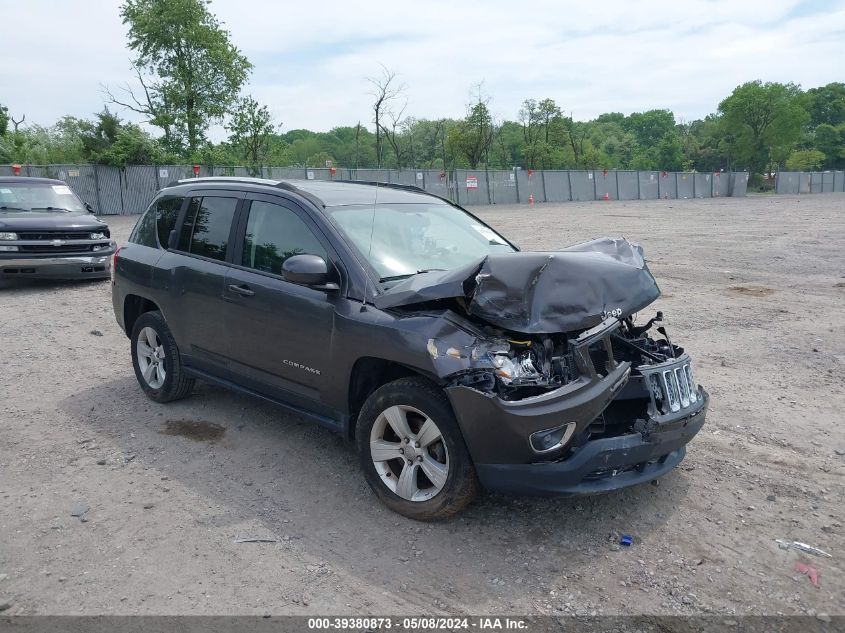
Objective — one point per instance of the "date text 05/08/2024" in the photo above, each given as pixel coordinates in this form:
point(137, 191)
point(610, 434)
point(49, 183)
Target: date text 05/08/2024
point(418, 623)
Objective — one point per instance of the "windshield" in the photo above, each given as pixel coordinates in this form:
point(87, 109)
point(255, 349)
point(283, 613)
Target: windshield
point(412, 238)
point(46, 197)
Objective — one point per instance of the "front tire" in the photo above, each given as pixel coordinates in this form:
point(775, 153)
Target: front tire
point(156, 360)
point(412, 452)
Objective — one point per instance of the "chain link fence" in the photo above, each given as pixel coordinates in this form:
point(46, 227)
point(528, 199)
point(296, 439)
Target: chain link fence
point(129, 190)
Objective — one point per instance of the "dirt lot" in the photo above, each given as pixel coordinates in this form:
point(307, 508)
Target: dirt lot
point(755, 290)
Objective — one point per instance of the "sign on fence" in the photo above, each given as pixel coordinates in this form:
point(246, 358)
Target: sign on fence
point(472, 182)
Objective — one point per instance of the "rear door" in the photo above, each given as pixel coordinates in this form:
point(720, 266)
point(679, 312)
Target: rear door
point(280, 333)
point(194, 272)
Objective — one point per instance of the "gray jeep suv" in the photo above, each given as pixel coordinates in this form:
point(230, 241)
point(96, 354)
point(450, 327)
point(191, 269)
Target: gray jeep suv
point(408, 325)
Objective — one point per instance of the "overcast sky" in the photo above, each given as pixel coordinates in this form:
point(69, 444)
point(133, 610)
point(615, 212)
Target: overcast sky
point(312, 58)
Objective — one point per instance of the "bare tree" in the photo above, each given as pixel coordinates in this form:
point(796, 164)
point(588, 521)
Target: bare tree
point(152, 103)
point(17, 123)
point(386, 89)
point(393, 134)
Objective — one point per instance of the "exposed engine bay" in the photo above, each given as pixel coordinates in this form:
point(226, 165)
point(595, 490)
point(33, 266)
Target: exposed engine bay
point(523, 366)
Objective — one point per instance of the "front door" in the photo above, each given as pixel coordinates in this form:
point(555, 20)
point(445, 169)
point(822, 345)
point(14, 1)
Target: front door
point(280, 333)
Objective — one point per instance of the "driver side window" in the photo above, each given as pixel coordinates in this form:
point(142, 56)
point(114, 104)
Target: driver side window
point(273, 234)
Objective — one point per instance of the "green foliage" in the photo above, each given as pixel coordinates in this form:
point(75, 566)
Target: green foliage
point(318, 160)
point(249, 129)
point(472, 137)
point(765, 120)
point(195, 72)
point(757, 126)
point(133, 146)
point(830, 140)
point(805, 160)
point(105, 140)
point(826, 104)
point(4, 119)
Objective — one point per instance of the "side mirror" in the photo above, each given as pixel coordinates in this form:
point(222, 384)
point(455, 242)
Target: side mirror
point(308, 270)
point(89, 208)
point(172, 240)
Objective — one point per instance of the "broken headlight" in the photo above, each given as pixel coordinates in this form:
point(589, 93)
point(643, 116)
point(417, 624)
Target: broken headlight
point(519, 369)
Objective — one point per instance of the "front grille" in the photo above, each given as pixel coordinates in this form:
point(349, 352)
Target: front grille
point(49, 248)
point(671, 384)
point(55, 235)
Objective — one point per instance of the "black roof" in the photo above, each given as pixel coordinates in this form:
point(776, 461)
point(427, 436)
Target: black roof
point(332, 193)
point(32, 180)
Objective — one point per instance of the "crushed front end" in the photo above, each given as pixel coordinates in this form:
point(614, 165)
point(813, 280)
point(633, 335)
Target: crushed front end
point(580, 413)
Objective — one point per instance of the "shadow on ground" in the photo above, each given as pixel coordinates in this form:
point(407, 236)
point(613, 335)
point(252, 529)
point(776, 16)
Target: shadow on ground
point(260, 463)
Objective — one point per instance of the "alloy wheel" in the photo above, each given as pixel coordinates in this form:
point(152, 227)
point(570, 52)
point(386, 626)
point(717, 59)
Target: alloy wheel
point(151, 358)
point(409, 453)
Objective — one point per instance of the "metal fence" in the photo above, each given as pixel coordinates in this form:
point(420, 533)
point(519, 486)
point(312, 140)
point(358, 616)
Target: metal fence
point(116, 191)
point(809, 181)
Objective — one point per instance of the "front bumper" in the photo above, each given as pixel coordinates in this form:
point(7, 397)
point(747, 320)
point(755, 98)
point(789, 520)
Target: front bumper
point(601, 465)
point(58, 267)
point(498, 432)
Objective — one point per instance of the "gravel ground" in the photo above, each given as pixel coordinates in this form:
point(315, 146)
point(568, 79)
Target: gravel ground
point(753, 288)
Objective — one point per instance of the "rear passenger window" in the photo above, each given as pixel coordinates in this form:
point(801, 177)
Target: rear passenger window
point(144, 232)
point(274, 233)
point(206, 228)
point(167, 212)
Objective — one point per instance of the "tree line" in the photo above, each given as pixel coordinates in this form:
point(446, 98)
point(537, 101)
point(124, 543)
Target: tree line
point(188, 76)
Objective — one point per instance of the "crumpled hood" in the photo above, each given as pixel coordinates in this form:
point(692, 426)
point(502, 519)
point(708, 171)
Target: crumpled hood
point(541, 292)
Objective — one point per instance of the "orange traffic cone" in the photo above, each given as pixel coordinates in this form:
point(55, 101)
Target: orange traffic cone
point(606, 196)
point(531, 198)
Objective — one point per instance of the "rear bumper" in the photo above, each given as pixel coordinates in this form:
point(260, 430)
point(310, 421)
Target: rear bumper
point(67, 267)
point(601, 465)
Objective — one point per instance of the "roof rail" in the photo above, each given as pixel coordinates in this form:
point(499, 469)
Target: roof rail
point(247, 179)
point(390, 185)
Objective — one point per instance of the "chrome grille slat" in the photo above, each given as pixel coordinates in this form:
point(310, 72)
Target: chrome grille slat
point(671, 385)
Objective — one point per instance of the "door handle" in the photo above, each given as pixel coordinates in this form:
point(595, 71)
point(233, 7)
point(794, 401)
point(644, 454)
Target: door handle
point(244, 291)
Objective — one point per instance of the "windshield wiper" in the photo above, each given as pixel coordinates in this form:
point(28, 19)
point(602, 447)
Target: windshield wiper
point(396, 277)
point(406, 275)
point(5, 208)
point(49, 209)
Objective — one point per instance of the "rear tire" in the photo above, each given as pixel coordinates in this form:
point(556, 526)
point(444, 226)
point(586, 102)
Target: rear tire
point(156, 360)
point(412, 451)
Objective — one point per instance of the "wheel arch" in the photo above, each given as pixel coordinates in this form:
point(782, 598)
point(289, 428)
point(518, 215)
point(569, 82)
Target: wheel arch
point(368, 374)
point(133, 307)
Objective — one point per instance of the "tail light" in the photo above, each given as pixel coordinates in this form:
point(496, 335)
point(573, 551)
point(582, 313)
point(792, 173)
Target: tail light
point(114, 263)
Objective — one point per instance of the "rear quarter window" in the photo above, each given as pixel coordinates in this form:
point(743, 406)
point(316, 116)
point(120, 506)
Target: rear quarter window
point(144, 232)
point(207, 225)
point(167, 212)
